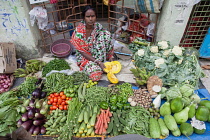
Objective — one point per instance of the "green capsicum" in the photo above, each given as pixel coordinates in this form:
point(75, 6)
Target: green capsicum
point(119, 99)
point(113, 107)
point(119, 105)
point(113, 99)
point(104, 105)
point(124, 99)
point(126, 106)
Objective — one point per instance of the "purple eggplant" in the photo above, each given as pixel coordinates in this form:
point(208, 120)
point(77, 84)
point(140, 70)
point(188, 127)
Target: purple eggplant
point(19, 122)
point(24, 117)
point(43, 95)
point(32, 103)
point(31, 113)
point(27, 124)
point(31, 130)
point(43, 130)
point(37, 110)
point(39, 122)
point(36, 130)
point(37, 93)
point(39, 81)
point(39, 116)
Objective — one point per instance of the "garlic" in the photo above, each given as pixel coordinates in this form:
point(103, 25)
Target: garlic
point(133, 103)
point(130, 99)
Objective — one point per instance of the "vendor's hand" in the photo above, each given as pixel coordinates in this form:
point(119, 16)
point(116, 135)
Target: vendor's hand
point(101, 64)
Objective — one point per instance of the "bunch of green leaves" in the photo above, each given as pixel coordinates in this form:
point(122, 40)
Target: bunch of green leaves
point(55, 64)
point(27, 87)
point(80, 77)
point(176, 69)
point(137, 44)
point(8, 112)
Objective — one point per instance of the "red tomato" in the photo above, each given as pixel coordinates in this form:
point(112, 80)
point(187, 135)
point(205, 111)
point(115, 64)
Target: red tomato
point(65, 107)
point(61, 107)
point(61, 93)
point(51, 100)
point(48, 102)
point(55, 100)
point(63, 97)
point(48, 97)
point(54, 104)
point(63, 103)
point(52, 95)
point(56, 94)
point(54, 107)
point(51, 107)
point(59, 101)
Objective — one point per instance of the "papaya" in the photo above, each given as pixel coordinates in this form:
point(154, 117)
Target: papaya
point(113, 66)
point(112, 78)
point(202, 113)
point(176, 105)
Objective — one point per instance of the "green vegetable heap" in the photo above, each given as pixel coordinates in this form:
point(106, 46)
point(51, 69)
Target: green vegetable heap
point(55, 64)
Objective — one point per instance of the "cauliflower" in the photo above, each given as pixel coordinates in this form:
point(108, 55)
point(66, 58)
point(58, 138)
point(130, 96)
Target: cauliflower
point(180, 61)
point(163, 44)
point(154, 49)
point(158, 62)
point(177, 50)
point(140, 52)
point(167, 52)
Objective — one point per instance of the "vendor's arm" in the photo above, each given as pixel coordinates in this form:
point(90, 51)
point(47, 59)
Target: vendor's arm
point(89, 57)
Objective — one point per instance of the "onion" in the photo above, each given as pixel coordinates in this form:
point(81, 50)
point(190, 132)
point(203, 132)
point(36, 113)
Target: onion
point(2, 81)
point(6, 86)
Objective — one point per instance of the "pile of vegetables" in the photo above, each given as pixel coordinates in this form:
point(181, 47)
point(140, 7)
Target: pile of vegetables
point(6, 81)
point(170, 63)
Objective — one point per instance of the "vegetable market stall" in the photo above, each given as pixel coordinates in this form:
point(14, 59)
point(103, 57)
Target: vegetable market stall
point(63, 103)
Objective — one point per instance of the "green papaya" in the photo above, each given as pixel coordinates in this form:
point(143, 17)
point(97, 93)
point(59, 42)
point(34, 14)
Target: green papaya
point(165, 109)
point(205, 103)
point(176, 105)
point(202, 113)
point(191, 112)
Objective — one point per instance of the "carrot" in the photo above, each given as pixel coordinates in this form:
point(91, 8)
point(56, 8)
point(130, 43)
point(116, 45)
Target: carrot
point(104, 131)
point(105, 120)
point(98, 121)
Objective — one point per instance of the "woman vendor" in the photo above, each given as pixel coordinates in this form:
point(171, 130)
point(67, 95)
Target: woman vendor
point(93, 45)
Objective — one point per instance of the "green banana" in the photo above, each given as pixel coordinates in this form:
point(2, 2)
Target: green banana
point(22, 75)
point(135, 72)
point(140, 82)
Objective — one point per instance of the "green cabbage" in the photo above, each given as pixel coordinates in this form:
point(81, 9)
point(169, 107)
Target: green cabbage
point(172, 93)
point(187, 90)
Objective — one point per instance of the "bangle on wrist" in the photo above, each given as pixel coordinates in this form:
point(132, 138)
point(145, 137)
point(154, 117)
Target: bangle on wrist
point(95, 61)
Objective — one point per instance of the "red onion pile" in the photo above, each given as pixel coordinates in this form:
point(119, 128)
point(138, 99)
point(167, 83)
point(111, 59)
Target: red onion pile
point(5, 82)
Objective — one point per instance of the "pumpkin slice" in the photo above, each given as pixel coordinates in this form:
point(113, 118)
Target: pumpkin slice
point(113, 66)
point(112, 78)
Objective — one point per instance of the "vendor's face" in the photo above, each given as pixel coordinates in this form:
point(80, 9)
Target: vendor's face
point(90, 17)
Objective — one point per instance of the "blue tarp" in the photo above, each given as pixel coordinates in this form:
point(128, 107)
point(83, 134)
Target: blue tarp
point(205, 47)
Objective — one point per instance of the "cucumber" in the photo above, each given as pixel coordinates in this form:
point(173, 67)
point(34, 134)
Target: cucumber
point(110, 127)
point(93, 119)
point(170, 122)
point(163, 129)
point(86, 117)
point(154, 128)
point(116, 120)
point(81, 116)
point(176, 132)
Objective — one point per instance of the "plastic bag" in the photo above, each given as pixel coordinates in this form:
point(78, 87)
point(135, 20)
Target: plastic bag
point(39, 14)
point(68, 72)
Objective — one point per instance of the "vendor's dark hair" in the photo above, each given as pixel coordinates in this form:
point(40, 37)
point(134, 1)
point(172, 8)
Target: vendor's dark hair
point(88, 7)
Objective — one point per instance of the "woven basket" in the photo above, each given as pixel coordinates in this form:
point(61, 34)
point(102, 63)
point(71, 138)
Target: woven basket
point(61, 48)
